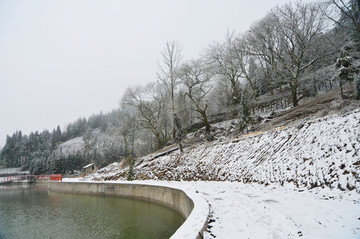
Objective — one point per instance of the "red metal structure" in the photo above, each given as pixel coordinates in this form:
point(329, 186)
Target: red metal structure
point(51, 177)
point(56, 177)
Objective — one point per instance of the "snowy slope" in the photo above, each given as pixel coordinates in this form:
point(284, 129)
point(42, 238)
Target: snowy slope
point(101, 141)
point(71, 146)
point(319, 152)
point(308, 174)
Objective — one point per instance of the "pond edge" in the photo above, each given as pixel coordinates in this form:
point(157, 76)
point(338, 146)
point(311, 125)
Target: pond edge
point(190, 205)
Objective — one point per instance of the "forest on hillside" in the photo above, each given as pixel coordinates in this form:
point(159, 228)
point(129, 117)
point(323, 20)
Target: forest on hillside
point(297, 50)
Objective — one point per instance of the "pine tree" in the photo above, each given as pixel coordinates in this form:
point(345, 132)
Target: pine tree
point(346, 72)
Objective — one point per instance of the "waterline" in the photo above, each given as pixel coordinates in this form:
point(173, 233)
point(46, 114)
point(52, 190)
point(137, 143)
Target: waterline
point(31, 212)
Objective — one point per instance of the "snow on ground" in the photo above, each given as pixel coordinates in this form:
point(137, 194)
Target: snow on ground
point(255, 211)
point(296, 182)
point(239, 210)
point(316, 153)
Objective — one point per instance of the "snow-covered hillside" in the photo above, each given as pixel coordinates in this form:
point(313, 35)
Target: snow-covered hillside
point(307, 166)
point(318, 152)
point(71, 146)
point(98, 140)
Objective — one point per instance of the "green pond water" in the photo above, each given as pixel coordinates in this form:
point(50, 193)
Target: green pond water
point(28, 211)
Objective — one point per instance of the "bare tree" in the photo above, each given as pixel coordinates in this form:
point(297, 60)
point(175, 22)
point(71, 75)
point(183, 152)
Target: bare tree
point(184, 109)
point(171, 57)
point(221, 97)
point(284, 38)
point(179, 132)
point(221, 61)
point(150, 105)
point(127, 131)
point(245, 60)
point(196, 80)
point(347, 14)
point(261, 42)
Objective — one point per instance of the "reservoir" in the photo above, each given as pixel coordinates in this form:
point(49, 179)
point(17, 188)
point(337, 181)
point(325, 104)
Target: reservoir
point(30, 211)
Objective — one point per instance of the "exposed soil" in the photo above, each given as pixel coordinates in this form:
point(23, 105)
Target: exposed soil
point(319, 106)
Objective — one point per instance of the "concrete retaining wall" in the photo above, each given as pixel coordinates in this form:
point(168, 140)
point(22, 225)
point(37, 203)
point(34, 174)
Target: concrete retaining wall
point(170, 197)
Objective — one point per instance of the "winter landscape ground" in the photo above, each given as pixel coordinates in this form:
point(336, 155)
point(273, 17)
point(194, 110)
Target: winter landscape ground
point(298, 180)
point(239, 210)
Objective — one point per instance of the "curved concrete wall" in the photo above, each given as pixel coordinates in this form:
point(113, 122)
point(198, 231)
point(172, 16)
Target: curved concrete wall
point(175, 198)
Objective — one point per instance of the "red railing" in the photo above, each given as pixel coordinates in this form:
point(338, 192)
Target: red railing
point(42, 176)
point(56, 177)
point(52, 177)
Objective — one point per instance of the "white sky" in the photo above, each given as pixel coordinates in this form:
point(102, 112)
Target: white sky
point(64, 59)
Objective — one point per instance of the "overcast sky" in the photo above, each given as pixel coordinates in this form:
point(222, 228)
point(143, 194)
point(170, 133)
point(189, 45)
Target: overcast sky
point(64, 59)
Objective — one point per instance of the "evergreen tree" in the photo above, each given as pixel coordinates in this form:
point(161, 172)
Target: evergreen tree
point(346, 70)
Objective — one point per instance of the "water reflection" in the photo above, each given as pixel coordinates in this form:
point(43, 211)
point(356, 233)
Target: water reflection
point(28, 211)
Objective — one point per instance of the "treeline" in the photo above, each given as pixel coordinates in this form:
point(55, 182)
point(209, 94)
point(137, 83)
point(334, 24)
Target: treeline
point(37, 151)
point(279, 56)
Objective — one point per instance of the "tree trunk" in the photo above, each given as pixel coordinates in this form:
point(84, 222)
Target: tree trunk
point(173, 108)
point(341, 88)
point(357, 86)
point(133, 139)
point(158, 140)
point(314, 84)
point(126, 147)
point(235, 101)
point(294, 98)
point(252, 89)
point(207, 126)
point(271, 88)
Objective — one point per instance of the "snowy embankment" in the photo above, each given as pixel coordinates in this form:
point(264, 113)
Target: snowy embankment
point(316, 153)
point(295, 182)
